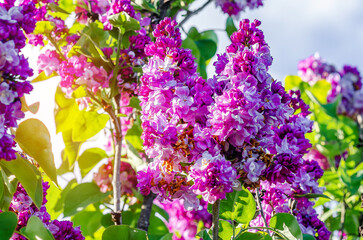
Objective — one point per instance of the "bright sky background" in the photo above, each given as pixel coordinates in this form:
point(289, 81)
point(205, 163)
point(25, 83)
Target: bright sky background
point(294, 29)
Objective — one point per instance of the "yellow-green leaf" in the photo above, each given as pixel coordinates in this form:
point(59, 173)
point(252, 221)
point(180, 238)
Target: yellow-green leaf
point(28, 176)
point(34, 138)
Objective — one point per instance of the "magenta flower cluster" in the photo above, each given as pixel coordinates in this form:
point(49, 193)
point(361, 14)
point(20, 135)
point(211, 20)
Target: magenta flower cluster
point(235, 7)
point(14, 69)
point(184, 224)
point(347, 83)
point(24, 207)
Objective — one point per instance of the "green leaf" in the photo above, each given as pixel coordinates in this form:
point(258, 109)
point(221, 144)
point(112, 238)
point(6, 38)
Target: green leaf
point(28, 176)
point(71, 149)
point(133, 135)
point(135, 103)
point(8, 223)
point(292, 82)
point(209, 35)
point(320, 90)
point(133, 156)
point(90, 158)
point(123, 232)
point(230, 27)
point(207, 48)
point(330, 108)
point(353, 182)
point(193, 33)
point(80, 92)
point(81, 196)
point(287, 225)
point(157, 227)
point(225, 230)
point(64, 112)
point(67, 5)
point(2, 187)
point(34, 138)
point(161, 211)
point(250, 236)
point(90, 221)
point(124, 22)
point(204, 235)
point(10, 184)
point(106, 220)
point(9, 180)
point(44, 27)
point(56, 205)
point(42, 77)
point(239, 206)
point(87, 125)
point(35, 229)
point(55, 8)
point(190, 44)
point(308, 237)
point(144, 4)
point(311, 195)
point(168, 236)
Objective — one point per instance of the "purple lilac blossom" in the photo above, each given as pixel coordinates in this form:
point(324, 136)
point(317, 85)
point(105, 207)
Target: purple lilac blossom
point(14, 69)
point(24, 207)
point(346, 83)
point(174, 101)
point(235, 7)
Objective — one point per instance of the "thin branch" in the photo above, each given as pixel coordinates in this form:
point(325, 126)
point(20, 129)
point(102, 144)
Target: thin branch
point(144, 220)
point(116, 182)
point(58, 50)
point(190, 14)
point(261, 210)
point(215, 213)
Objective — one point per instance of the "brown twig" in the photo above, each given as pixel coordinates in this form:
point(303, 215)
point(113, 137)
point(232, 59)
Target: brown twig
point(144, 220)
point(215, 212)
point(261, 210)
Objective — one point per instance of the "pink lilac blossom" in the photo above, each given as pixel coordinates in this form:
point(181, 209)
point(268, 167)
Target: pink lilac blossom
point(320, 158)
point(234, 7)
point(184, 224)
point(103, 178)
point(14, 69)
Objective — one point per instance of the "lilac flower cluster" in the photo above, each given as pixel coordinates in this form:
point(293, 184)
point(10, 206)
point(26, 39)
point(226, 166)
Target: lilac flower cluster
point(240, 124)
point(14, 70)
point(24, 207)
point(174, 101)
point(278, 193)
point(184, 224)
point(234, 7)
point(253, 117)
point(346, 82)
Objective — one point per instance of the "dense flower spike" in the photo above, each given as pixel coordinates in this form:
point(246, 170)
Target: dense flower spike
point(346, 82)
point(244, 116)
point(235, 7)
point(174, 101)
point(14, 69)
